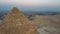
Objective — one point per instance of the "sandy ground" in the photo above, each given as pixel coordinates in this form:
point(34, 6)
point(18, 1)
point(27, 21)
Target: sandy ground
point(47, 24)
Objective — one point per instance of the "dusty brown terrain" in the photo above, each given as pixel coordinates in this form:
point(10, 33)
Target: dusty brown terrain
point(16, 23)
point(47, 24)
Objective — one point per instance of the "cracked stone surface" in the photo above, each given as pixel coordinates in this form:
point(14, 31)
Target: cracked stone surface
point(16, 23)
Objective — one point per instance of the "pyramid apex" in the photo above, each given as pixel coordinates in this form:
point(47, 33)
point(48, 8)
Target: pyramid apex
point(15, 10)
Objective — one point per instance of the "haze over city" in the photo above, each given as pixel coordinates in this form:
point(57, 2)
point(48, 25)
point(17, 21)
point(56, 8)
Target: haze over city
point(31, 5)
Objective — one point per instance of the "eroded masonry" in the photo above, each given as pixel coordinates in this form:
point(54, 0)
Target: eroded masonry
point(16, 23)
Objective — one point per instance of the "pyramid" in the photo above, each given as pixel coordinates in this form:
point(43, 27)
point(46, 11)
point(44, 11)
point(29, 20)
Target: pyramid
point(16, 23)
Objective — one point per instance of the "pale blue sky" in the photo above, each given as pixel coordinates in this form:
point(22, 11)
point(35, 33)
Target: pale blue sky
point(32, 2)
point(37, 5)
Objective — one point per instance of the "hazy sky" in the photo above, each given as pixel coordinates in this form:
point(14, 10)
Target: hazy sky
point(32, 2)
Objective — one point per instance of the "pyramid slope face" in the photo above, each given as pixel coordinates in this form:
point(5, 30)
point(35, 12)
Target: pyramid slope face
point(17, 23)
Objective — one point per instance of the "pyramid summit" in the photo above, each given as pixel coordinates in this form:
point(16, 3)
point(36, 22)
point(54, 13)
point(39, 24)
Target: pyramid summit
point(15, 10)
point(16, 23)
